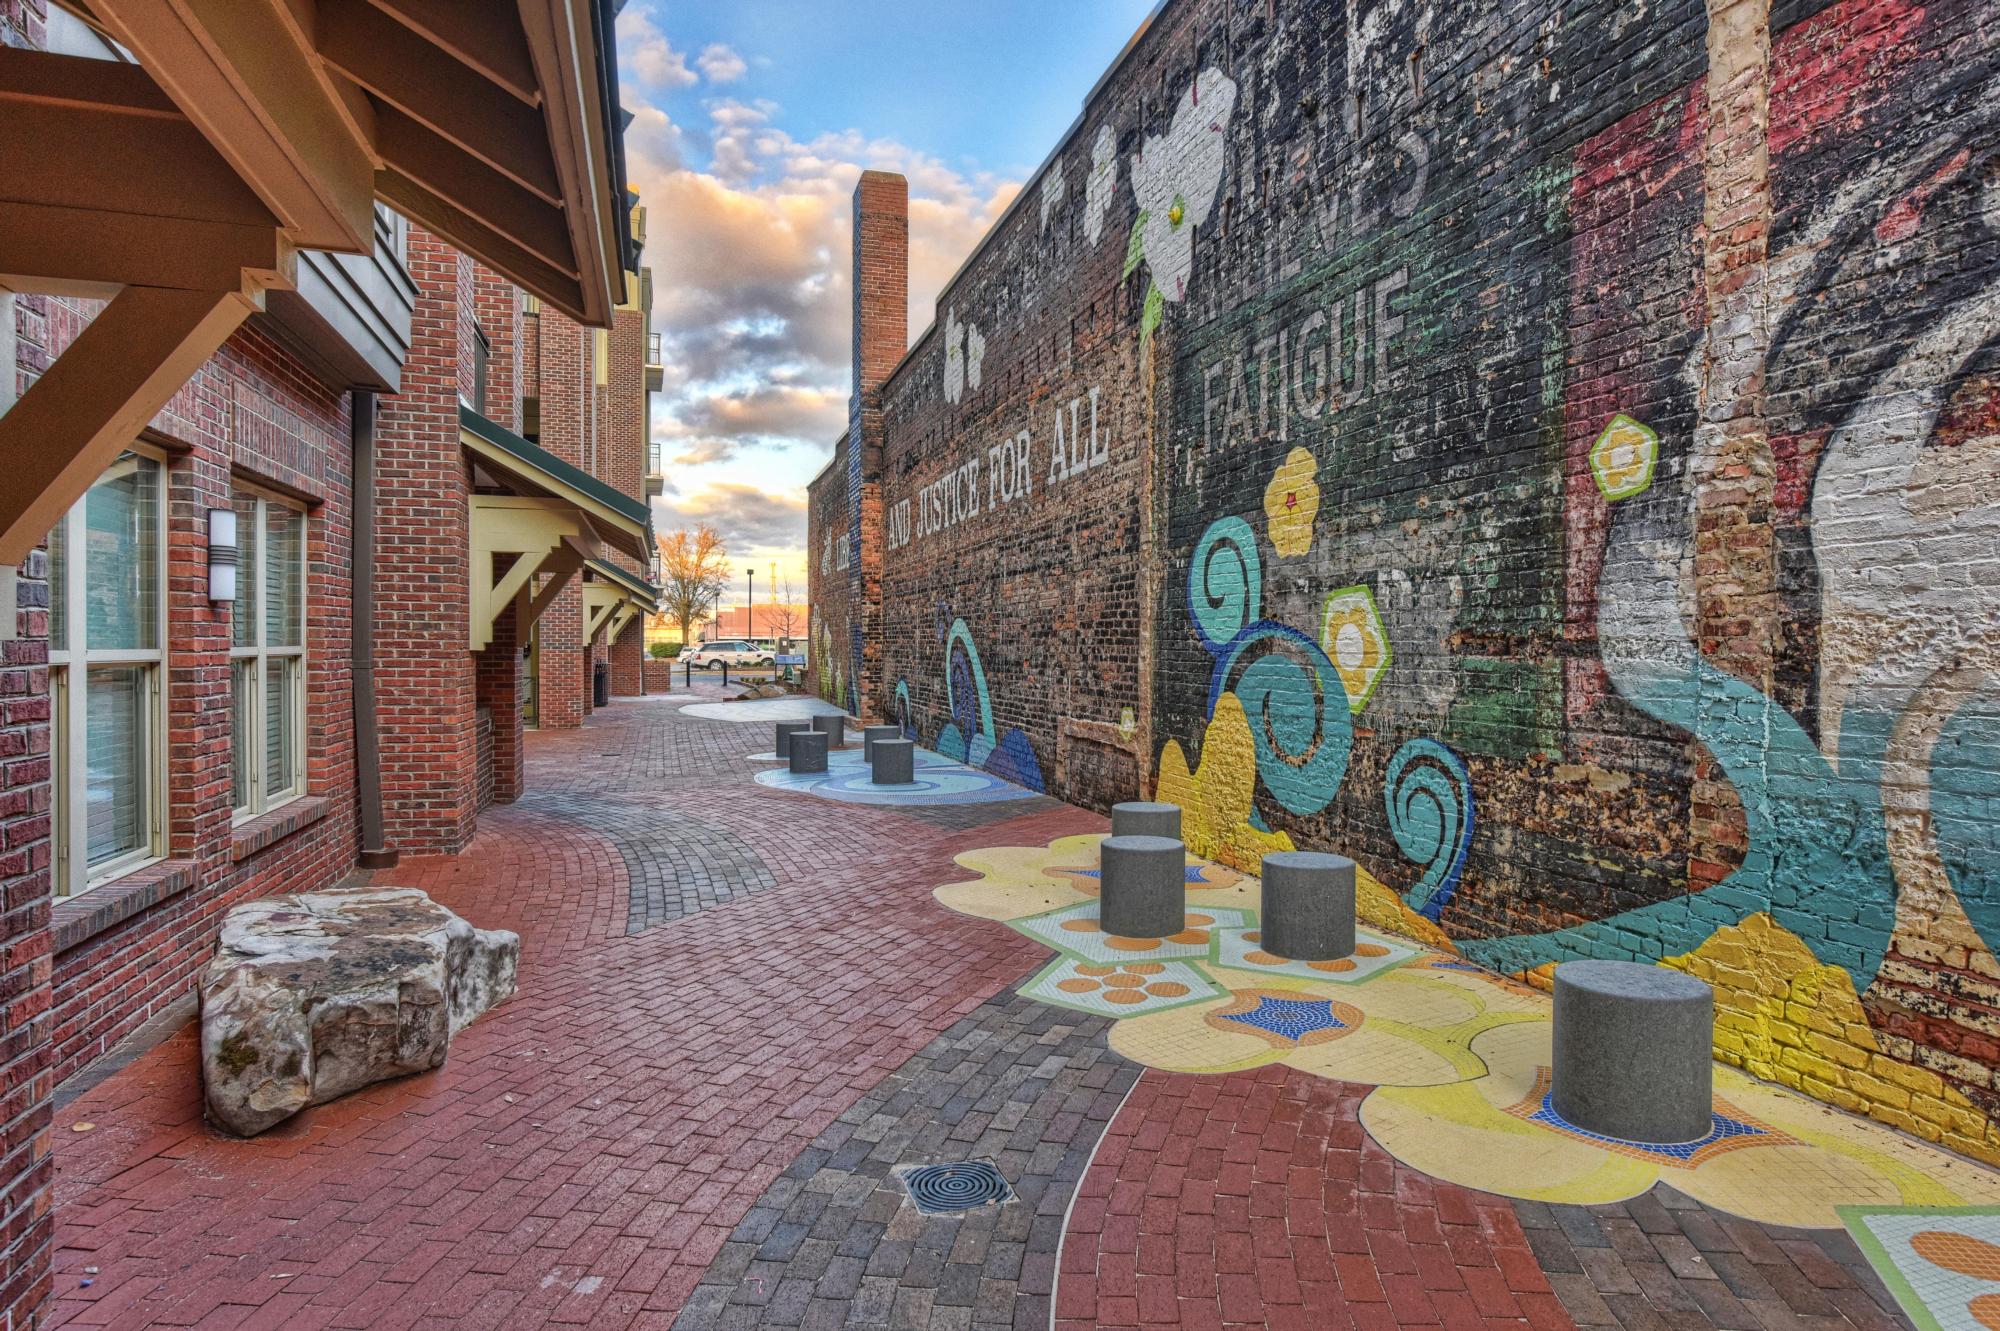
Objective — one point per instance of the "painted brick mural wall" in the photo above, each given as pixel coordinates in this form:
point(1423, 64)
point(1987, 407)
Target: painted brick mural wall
point(1546, 452)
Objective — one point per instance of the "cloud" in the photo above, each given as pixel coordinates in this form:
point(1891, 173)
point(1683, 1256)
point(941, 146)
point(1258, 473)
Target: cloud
point(748, 235)
point(753, 521)
point(720, 64)
point(648, 56)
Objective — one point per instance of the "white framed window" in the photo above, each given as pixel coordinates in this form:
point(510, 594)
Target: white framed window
point(107, 607)
point(267, 655)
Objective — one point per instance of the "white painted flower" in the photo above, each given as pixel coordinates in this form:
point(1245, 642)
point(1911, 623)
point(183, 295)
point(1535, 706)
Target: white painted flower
point(1055, 188)
point(975, 352)
point(954, 357)
point(1101, 183)
point(1175, 178)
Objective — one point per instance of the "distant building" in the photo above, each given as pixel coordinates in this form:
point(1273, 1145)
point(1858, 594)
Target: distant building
point(776, 620)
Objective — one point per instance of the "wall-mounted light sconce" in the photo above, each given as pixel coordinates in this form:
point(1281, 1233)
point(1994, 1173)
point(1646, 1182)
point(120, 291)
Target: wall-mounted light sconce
point(222, 554)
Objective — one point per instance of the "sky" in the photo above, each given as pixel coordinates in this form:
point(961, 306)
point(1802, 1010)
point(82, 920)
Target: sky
point(753, 119)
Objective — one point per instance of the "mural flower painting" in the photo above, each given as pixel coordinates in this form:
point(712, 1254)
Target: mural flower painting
point(954, 357)
point(1291, 502)
point(1055, 188)
point(964, 349)
point(1175, 178)
point(1352, 636)
point(1102, 182)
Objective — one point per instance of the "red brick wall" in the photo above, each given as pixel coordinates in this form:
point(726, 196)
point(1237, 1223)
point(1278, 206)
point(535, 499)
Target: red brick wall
point(563, 375)
point(249, 414)
point(423, 668)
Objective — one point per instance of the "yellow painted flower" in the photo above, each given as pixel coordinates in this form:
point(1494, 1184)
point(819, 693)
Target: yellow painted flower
point(1389, 1024)
point(1352, 636)
point(1771, 1155)
point(1291, 501)
point(1215, 798)
point(1623, 458)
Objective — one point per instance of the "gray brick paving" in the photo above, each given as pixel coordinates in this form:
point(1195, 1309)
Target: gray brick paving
point(675, 864)
point(834, 1241)
point(1664, 1262)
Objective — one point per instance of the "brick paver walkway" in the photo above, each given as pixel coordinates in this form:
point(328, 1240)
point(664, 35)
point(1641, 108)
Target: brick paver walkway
point(740, 1009)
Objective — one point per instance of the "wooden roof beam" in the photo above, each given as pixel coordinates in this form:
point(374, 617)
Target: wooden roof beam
point(414, 151)
point(402, 68)
point(421, 205)
point(93, 401)
point(244, 72)
point(496, 50)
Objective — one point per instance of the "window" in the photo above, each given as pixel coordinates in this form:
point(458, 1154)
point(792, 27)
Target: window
point(482, 353)
point(267, 656)
point(107, 570)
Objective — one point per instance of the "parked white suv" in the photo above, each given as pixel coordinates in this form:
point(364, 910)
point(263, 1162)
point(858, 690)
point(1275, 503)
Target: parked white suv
point(722, 652)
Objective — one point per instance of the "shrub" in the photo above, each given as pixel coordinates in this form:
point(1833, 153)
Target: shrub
point(664, 651)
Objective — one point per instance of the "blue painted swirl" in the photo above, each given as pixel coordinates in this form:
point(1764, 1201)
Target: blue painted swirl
point(1297, 708)
point(1225, 582)
point(1427, 792)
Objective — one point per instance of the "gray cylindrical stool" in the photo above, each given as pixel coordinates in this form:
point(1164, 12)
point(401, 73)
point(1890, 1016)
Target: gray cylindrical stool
point(1308, 906)
point(870, 734)
point(787, 729)
point(808, 751)
point(1633, 1051)
point(1138, 818)
point(1143, 888)
point(834, 727)
point(895, 763)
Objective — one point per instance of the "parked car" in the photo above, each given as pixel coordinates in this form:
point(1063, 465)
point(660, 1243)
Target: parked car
point(737, 652)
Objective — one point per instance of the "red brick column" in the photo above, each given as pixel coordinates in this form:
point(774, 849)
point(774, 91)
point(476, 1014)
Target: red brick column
point(501, 673)
point(424, 668)
point(26, 1079)
point(565, 375)
point(881, 332)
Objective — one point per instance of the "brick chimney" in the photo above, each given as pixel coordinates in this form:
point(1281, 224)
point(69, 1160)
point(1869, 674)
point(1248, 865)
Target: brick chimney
point(881, 330)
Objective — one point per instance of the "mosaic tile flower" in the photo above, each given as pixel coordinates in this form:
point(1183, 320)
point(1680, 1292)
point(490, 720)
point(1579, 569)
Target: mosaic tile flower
point(1120, 989)
point(1352, 636)
point(1291, 502)
point(1398, 1028)
point(1771, 1155)
point(1074, 929)
point(1943, 1265)
point(1015, 881)
point(1240, 949)
point(1623, 458)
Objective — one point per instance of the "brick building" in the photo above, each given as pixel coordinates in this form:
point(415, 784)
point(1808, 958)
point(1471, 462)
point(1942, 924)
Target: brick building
point(275, 517)
point(1534, 462)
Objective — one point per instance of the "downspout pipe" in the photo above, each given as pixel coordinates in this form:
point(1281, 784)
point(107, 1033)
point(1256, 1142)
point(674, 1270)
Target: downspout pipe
point(367, 731)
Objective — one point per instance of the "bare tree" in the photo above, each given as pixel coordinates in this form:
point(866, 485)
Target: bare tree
point(784, 614)
point(694, 569)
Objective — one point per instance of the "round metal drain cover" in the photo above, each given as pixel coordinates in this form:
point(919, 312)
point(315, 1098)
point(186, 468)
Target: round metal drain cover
point(944, 1189)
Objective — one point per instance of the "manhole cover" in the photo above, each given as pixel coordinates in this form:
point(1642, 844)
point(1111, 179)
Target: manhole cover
point(945, 1189)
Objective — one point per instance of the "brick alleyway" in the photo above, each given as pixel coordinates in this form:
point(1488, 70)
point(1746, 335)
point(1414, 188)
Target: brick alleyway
point(739, 1009)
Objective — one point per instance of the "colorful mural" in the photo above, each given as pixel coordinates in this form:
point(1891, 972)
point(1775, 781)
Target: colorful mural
point(1458, 1056)
point(1608, 570)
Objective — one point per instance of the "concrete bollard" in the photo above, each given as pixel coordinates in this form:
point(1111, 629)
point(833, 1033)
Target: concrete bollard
point(1308, 910)
point(869, 734)
point(1139, 818)
point(808, 751)
point(1142, 891)
point(834, 727)
point(787, 729)
point(1633, 1051)
point(895, 763)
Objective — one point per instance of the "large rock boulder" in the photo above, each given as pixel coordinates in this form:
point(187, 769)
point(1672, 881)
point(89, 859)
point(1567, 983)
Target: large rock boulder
point(315, 995)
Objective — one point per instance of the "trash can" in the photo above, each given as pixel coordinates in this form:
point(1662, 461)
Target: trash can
point(600, 684)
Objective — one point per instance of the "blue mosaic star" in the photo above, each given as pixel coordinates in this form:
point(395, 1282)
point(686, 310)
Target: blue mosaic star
point(1293, 1018)
point(1193, 874)
point(1721, 1128)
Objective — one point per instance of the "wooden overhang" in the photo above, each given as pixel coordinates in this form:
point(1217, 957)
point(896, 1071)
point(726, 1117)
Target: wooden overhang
point(535, 523)
point(613, 597)
point(180, 187)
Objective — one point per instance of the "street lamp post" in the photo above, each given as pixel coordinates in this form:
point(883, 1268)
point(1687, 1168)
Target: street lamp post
point(750, 596)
